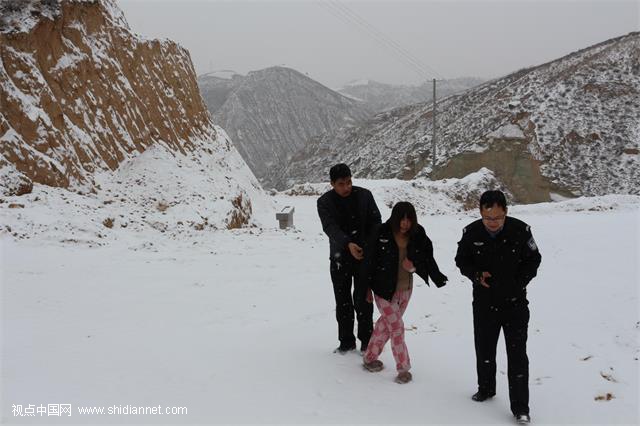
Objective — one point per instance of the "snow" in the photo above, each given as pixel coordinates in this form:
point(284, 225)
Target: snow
point(447, 196)
point(11, 178)
point(22, 20)
point(155, 190)
point(509, 131)
point(29, 103)
point(115, 14)
point(38, 155)
point(10, 136)
point(28, 91)
point(238, 326)
point(68, 60)
point(579, 113)
point(557, 197)
point(347, 95)
point(360, 82)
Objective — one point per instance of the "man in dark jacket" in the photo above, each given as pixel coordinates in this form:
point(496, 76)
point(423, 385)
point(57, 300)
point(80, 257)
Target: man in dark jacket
point(348, 214)
point(500, 257)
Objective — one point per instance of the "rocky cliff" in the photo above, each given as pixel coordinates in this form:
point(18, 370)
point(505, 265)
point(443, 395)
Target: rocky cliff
point(81, 94)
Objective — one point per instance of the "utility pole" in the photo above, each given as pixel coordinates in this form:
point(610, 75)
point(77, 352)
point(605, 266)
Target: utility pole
point(433, 140)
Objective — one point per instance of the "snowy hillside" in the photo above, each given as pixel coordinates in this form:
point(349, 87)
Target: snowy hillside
point(219, 321)
point(166, 193)
point(568, 127)
point(380, 97)
point(91, 107)
point(215, 88)
point(429, 197)
point(158, 191)
point(273, 112)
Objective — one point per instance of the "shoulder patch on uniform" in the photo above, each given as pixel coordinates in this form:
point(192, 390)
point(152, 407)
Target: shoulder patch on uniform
point(464, 229)
point(532, 244)
point(528, 228)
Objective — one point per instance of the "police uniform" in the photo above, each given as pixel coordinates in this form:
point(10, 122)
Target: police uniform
point(512, 258)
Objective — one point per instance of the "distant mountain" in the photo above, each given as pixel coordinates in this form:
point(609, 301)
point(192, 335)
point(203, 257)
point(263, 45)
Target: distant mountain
point(216, 87)
point(82, 96)
point(272, 113)
point(380, 97)
point(567, 127)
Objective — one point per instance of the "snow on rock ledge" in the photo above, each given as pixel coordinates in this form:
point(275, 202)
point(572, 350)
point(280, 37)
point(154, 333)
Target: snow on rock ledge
point(429, 197)
point(89, 106)
point(81, 93)
point(159, 193)
point(508, 131)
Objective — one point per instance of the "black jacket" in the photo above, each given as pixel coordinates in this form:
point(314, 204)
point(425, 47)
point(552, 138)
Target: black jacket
point(366, 218)
point(382, 258)
point(512, 258)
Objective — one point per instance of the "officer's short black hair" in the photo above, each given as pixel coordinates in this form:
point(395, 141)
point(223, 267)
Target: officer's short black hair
point(492, 198)
point(339, 171)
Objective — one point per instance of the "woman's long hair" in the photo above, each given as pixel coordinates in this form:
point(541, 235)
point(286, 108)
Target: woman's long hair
point(401, 210)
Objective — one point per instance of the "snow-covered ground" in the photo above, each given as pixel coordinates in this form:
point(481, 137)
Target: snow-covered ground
point(238, 326)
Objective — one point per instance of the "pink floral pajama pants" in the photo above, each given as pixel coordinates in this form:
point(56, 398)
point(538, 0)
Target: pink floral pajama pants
point(390, 326)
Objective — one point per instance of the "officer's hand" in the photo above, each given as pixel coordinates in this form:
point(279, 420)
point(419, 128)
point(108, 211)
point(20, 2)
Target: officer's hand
point(483, 278)
point(442, 280)
point(356, 251)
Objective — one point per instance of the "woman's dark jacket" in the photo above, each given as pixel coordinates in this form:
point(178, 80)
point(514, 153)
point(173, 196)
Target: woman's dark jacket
point(382, 260)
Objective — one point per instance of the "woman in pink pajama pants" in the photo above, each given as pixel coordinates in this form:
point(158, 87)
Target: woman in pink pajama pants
point(398, 248)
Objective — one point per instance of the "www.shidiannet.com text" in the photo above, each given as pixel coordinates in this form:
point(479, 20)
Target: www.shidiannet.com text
point(65, 410)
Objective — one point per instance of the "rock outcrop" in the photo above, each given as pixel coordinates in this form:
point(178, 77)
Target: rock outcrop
point(81, 95)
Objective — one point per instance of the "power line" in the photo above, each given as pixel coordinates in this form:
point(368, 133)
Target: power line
point(392, 43)
point(334, 10)
point(348, 16)
point(415, 58)
point(407, 57)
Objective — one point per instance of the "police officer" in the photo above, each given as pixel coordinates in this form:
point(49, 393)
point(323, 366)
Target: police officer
point(349, 214)
point(500, 257)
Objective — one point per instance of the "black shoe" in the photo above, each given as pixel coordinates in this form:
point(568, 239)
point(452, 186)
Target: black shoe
point(482, 396)
point(522, 419)
point(343, 349)
point(363, 347)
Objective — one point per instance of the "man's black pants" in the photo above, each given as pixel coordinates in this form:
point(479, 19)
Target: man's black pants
point(513, 318)
point(343, 273)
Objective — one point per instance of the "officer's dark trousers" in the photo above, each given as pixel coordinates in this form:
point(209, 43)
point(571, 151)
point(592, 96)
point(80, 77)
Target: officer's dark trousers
point(343, 274)
point(513, 318)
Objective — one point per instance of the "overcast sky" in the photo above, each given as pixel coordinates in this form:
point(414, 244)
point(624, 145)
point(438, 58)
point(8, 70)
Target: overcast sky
point(403, 42)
